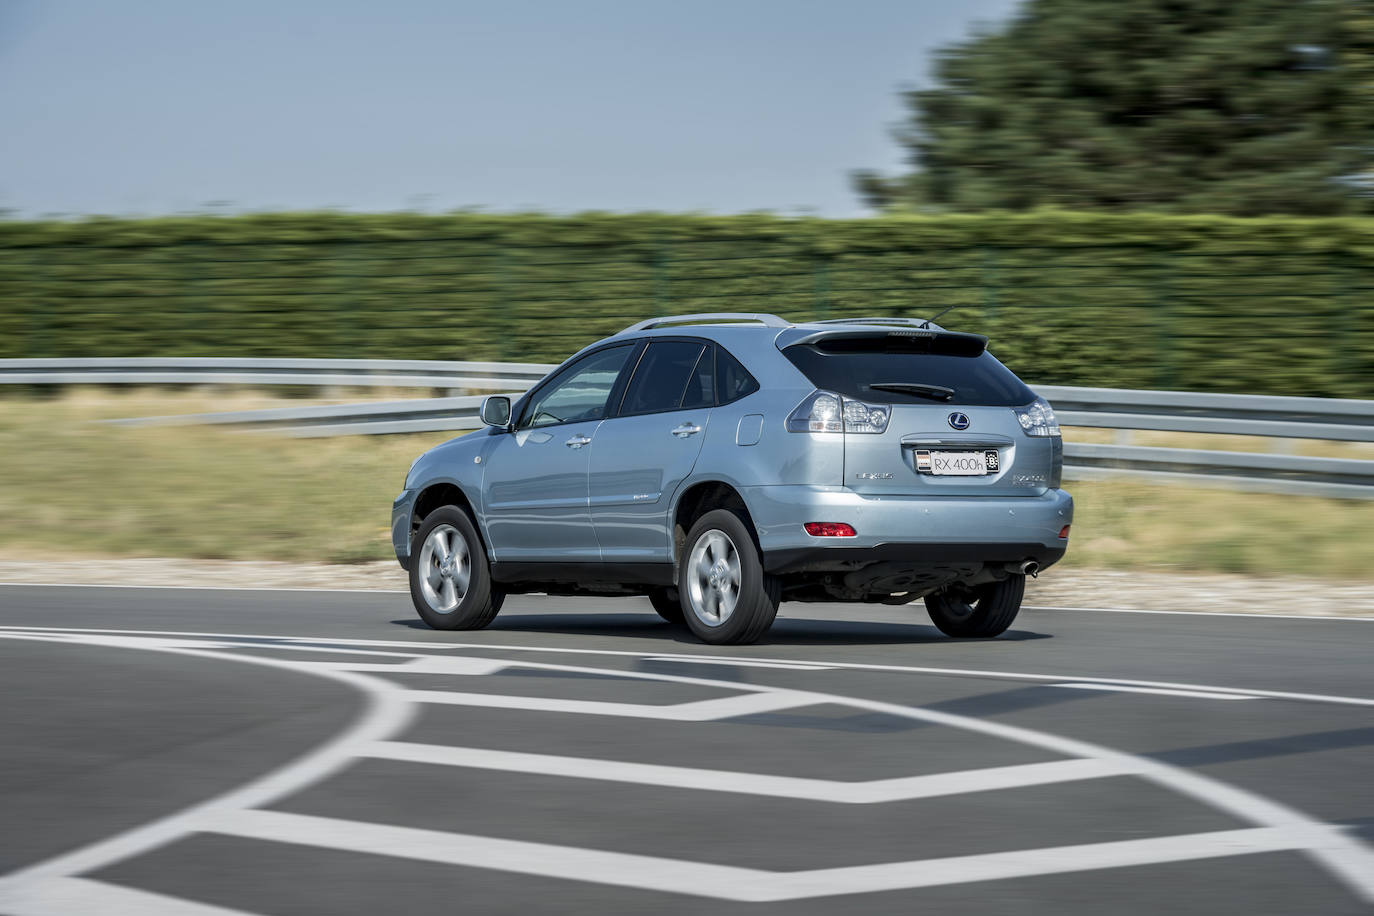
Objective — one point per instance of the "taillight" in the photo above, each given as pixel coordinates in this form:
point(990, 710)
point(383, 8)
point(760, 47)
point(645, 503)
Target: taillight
point(827, 412)
point(1038, 419)
point(830, 530)
point(1064, 532)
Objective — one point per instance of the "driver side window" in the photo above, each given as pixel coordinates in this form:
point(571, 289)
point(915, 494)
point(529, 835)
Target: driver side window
point(579, 392)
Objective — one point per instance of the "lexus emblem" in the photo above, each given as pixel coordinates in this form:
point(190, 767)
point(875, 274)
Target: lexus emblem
point(958, 420)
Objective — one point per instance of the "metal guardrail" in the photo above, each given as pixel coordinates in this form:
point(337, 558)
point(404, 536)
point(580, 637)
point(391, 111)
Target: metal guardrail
point(1214, 414)
point(421, 415)
point(1278, 418)
point(218, 370)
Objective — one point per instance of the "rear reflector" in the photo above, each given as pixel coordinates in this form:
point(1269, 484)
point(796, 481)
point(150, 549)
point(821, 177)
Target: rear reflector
point(1064, 532)
point(830, 530)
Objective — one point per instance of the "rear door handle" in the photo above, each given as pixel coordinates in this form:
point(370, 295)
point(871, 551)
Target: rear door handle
point(685, 430)
point(577, 441)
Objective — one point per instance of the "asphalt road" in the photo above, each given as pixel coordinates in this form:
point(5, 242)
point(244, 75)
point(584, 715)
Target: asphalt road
point(202, 751)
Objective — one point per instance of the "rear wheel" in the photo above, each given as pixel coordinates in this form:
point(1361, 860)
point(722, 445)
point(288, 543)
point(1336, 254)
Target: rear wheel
point(450, 581)
point(667, 603)
point(725, 594)
point(980, 611)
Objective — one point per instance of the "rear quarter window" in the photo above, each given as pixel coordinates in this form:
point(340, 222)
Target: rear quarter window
point(733, 381)
point(852, 366)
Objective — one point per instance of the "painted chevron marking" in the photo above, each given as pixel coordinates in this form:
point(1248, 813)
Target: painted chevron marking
point(1157, 691)
point(743, 704)
point(817, 790)
point(82, 896)
point(728, 882)
point(424, 664)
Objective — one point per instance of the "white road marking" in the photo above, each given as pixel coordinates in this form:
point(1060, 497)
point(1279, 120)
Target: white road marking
point(425, 664)
point(728, 882)
point(1158, 691)
point(738, 662)
point(818, 790)
point(384, 714)
point(1279, 826)
point(743, 704)
point(622, 653)
point(1252, 616)
point(83, 897)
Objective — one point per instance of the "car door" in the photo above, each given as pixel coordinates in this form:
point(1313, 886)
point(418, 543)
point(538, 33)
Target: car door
point(535, 481)
point(648, 446)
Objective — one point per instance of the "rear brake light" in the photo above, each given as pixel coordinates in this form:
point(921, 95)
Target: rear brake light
point(827, 412)
point(830, 530)
point(1038, 419)
point(1064, 532)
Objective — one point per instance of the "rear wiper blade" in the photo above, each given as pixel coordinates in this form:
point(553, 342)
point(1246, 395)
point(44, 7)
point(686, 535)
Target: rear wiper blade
point(935, 392)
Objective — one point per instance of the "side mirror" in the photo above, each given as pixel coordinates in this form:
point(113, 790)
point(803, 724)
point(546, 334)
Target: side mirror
point(496, 411)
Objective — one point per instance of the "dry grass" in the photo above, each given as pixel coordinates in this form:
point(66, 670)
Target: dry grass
point(71, 488)
point(1124, 524)
point(75, 488)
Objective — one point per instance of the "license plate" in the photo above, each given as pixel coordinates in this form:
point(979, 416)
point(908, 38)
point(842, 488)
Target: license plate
point(958, 464)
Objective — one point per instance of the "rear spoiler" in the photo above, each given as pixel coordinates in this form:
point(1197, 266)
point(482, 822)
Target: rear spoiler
point(894, 340)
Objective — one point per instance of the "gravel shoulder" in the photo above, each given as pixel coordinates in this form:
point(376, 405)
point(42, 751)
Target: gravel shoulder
point(1083, 588)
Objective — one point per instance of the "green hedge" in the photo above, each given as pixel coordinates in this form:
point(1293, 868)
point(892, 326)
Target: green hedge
point(1275, 305)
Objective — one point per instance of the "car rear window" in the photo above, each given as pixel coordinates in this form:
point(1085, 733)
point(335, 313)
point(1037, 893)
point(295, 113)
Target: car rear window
point(849, 366)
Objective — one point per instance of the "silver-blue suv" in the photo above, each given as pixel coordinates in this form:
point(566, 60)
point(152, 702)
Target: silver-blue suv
point(720, 464)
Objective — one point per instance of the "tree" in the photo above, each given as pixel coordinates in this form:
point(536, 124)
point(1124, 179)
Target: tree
point(1243, 107)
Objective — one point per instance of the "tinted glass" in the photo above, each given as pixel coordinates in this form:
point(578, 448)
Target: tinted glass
point(976, 380)
point(733, 381)
point(701, 387)
point(580, 391)
point(661, 377)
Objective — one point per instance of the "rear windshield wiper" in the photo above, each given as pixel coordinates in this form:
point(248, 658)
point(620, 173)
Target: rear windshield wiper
point(934, 392)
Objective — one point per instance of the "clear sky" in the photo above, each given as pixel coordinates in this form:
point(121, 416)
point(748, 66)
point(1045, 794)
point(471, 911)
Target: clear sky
point(133, 107)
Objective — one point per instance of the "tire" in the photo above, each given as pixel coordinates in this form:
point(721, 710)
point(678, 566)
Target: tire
point(444, 597)
point(726, 596)
point(980, 612)
point(667, 604)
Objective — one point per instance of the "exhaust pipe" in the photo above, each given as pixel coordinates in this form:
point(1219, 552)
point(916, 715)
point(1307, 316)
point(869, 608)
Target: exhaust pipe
point(1029, 568)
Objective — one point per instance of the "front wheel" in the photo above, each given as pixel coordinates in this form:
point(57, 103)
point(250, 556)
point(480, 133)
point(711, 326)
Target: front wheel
point(450, 581)
point(726, 595)
point(979, 611)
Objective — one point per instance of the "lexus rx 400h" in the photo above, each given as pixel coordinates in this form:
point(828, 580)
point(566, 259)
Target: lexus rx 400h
point(720, 464)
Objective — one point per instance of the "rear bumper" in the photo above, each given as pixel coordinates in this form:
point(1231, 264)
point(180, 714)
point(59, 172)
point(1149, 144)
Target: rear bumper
point(910, 555)
point(919, 531)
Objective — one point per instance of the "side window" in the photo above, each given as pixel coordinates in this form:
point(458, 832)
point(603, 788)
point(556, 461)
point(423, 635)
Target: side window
point(662, 376)
point(579, 392)
point(733, 381)
point(701, 385)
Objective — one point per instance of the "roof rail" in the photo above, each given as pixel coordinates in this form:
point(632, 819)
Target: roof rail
point(770, 321)
point(888, 320)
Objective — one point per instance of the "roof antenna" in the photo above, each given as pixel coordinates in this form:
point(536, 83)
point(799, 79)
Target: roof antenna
point(926, 323)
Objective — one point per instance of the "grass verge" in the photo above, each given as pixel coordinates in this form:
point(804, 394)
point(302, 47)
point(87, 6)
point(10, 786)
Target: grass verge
point(71, 488)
